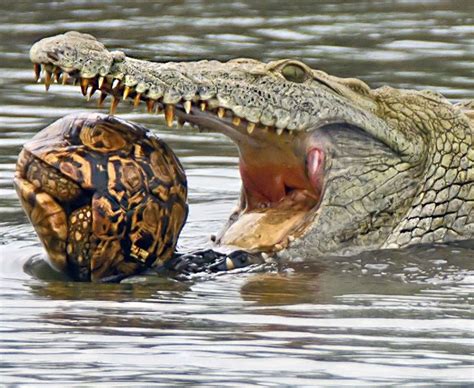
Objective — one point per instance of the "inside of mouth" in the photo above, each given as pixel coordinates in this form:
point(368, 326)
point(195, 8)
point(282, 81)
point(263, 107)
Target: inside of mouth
point(279, 195)
point(281, 186)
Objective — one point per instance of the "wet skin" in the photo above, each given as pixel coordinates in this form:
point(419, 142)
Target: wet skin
point(328, 164)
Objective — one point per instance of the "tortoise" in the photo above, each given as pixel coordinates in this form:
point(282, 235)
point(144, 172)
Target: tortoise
point(106, 197)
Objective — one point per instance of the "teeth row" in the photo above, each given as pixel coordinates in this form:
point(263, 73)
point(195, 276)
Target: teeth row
point(283, 253)
point(118, 91)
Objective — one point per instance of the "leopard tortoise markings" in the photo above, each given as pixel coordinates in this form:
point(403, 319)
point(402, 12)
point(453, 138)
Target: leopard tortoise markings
point(106, 197)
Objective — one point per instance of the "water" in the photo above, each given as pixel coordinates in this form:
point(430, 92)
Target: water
point(384, 318)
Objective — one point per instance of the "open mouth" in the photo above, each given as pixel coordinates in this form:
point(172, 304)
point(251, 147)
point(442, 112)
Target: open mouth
point(282, 170)
point(282, 180)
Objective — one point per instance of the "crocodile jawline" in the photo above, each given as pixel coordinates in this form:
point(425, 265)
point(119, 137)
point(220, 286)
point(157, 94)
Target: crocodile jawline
point(278, 200)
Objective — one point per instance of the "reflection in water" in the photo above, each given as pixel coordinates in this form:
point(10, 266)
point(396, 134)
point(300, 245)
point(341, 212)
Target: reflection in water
point(63, 290)
point(382, 318)
point(282, 288)
point(56, 285)
point(299, 325)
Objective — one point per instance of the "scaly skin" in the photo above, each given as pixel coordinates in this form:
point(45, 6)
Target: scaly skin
point(328, 164)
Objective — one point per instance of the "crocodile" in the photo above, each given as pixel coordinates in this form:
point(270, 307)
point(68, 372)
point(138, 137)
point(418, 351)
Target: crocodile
point(328, 165)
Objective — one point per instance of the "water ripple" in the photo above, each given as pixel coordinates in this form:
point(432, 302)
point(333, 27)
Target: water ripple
point(387, 318)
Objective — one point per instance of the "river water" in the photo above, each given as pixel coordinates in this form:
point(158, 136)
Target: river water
point(383, 318)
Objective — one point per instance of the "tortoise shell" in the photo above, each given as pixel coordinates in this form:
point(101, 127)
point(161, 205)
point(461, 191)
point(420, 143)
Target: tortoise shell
point(105, 196)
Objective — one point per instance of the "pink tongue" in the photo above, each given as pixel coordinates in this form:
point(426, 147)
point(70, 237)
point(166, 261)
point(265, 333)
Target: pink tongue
point(315, 168)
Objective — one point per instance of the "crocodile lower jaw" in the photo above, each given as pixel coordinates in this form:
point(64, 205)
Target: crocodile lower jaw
point(282, 183)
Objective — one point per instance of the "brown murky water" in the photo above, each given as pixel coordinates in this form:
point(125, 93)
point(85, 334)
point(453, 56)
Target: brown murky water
point(384, 318)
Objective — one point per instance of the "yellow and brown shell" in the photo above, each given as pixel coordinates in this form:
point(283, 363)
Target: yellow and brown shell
point(105, 196)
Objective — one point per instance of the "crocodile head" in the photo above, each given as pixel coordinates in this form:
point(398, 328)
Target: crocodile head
point(328, 165)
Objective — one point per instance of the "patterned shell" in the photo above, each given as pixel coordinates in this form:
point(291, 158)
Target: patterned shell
point(105, 196)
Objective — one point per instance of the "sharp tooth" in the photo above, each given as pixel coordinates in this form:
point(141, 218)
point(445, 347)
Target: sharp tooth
point(220, 112)
point(126, 92)
point(65, 78)
point(267, 258)
point(101, 99)
point(136, 100)
point(149, 105)
point(279, 131)
point(57, 73)
point(187, 106)
point(84, 85)
point(113, 105)
point(291, 238)
point(169, 114)
point(250, 128)
point(100, 82)
point(90, 92)
point(47, 79)
point(37, 69)
point(115, 83)
point(278, 247)
point(203, 106)
point(236, 121)
point(158, 109)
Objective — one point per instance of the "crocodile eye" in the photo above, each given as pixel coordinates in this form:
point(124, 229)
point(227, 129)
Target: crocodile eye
point(294, 73)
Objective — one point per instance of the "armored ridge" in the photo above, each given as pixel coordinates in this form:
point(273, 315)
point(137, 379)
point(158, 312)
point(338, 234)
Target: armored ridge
point(328, 165)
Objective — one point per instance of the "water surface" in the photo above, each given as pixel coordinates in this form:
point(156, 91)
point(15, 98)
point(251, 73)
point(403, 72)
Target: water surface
point(383, 318)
